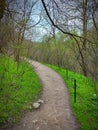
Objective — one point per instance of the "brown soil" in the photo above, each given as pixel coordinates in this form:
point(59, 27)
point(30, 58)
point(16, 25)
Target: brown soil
point(55, 113)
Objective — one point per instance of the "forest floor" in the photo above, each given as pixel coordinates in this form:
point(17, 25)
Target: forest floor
point(55, 113)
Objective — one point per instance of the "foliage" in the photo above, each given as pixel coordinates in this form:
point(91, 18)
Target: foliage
point(86, 107)
point(63, 51)
point(19, 87)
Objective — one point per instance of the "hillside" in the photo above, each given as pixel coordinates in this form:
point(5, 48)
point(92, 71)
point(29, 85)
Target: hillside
point(19, 87)
point(86, 106)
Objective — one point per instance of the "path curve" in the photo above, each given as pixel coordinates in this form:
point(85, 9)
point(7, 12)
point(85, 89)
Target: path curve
point(55, 113)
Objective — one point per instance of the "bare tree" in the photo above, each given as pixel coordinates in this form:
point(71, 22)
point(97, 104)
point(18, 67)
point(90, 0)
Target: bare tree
point(21, 15)
point(70, 16)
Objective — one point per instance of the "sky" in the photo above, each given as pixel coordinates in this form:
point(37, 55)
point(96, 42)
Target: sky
point(42, 27)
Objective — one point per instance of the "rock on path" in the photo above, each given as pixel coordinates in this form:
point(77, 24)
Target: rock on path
point(55, 113)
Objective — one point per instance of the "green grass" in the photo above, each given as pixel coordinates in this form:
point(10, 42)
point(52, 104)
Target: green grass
point(19, 87)
point(86, 107)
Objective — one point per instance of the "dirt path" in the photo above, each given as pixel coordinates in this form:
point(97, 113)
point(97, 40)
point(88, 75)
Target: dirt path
point(55, 113)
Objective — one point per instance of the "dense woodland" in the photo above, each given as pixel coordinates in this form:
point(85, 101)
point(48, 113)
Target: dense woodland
point(69, 39)
point(72, 29)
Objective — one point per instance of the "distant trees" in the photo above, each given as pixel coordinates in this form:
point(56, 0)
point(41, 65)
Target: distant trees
point(69, 16)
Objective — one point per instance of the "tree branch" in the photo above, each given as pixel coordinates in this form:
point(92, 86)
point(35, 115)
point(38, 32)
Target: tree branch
point(68, 33)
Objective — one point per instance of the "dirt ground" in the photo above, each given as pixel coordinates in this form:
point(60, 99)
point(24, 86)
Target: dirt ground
point(55, 113)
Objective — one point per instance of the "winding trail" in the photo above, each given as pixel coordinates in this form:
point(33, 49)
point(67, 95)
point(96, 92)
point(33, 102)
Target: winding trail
point(55, 113)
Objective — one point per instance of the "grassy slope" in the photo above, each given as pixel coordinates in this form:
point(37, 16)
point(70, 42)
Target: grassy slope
point(19, 87)
point(86, 107)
